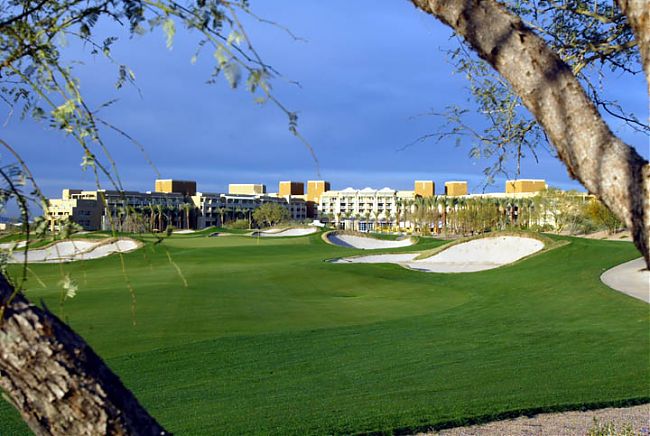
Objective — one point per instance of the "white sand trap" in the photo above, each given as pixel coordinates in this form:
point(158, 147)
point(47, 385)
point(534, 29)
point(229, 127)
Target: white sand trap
point(67, 251)
point(12, 245)
point(476, 255)
point(369, 243)
point(184, 232)
point(631, 278)
point(285, 232)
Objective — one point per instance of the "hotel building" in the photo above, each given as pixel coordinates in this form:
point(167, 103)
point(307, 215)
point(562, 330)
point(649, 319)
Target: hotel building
point(177, 203)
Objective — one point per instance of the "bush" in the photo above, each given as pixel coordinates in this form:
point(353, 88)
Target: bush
point(238, 224)
point(603, 217)
point(270, 214)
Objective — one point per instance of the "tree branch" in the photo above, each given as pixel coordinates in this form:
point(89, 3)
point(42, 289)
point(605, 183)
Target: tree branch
point(605, 165)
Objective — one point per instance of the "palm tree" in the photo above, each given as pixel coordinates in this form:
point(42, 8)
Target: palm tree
point(375, 214)
point(338, 216)
point(187, 208)
point(231, 212)
point(435, 213)
point(222, 211)
point(148, 210)
point(398, 212)
point(239, 212)
point(159, 210)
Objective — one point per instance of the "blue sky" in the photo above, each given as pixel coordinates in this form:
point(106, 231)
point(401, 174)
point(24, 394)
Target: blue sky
point(366, 70)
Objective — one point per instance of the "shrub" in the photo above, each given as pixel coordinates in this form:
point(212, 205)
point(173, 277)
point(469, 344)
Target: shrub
point(238, 224)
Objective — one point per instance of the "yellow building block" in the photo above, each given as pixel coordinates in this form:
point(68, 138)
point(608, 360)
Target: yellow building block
point(525, 185)
point(425, 188)
point(455, 189)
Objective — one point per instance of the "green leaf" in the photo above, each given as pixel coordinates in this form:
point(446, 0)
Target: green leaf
point(234, 38)
point(70, 286)
point(170, 31)
point(221, 56)
point(233, 74)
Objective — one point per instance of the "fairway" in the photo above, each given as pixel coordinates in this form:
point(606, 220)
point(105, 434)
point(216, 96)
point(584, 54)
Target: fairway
point(268, 337)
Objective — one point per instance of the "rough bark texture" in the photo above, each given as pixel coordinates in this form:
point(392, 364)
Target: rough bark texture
point(57, 382)
point(638, 15)
point(607, 167)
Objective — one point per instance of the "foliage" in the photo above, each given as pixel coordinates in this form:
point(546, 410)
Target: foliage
point(274, 340)
point(468, 215)
point(270, 214)
point(610, 429)
point(602, 216)
point(238, 224)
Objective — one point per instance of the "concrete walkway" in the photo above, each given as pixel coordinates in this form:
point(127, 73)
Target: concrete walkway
point(631, 278)
point(611, 421)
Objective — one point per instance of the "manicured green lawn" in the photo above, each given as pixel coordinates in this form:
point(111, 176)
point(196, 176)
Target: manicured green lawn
point(269, 338)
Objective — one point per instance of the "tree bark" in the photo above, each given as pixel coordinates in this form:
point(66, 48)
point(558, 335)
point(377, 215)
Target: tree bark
point(56, 381)
point(610, 169)
point(638, 15)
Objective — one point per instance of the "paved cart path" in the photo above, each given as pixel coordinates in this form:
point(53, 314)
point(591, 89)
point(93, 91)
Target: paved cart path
point(620, 420)
point(631, 278)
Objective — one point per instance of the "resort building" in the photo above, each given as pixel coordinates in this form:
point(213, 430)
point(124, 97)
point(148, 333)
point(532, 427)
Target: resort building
point(177, 203)
point(216, 209)
point(247, 188)
point(368, 209)
point(185, 187)
point(73, 205)
point(174, 203)
point(521, 186)
point(455, 188)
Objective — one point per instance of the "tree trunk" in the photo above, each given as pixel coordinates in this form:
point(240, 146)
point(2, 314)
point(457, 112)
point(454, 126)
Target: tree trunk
point(638, 15)
point(607, 167)
point(56, 381)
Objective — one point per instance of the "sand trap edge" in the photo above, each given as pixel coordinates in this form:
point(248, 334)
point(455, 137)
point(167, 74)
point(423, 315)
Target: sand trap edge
point(325, 237)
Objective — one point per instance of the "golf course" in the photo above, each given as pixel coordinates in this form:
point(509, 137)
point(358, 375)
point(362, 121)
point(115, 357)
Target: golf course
point(250, 335)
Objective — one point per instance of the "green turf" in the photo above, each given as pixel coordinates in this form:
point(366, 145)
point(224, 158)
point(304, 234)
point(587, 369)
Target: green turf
point(269, 338)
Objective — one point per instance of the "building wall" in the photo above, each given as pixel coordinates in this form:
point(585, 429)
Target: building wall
point(315, 188)
point(525, 185)
point(246, 189)
point(215, 209)
point(86, 213)
point(367, 207)
point(455, 189)
point(425, 188)
point(291, 188)
point(185, 187)
point(67, 193)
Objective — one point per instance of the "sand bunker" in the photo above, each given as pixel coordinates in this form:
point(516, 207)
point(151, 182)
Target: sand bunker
point(12, 245)
point(631, 278)
point(476, 255)
point(366, 243)
point(184, 232)
point(285, 232)
point(68, 251)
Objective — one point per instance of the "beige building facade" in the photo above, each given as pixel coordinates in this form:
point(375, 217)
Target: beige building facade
point(456, 188)
point(177, 203)
point(246, 189)
point(521, 186)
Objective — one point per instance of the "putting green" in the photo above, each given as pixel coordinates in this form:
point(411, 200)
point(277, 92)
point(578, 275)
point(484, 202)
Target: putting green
point(269, 338)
